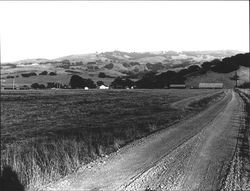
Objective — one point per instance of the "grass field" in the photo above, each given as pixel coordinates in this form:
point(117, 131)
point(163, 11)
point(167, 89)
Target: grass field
point(48, 134)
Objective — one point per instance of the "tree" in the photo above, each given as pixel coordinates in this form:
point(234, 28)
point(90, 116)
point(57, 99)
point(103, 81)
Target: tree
point(52, 73)
point(79, 82)
point(43, 73)
point(37, 86)
point(102, 75)
point(54, 85)
point(121, 83)
point(227, 65)
point(109, 66)
point(29, 74)
point(99, 83)
point(193, 68)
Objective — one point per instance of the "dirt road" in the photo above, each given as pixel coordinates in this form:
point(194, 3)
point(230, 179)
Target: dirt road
point(193, 155)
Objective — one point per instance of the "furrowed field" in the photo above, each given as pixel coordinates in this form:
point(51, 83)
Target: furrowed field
point(48, 134)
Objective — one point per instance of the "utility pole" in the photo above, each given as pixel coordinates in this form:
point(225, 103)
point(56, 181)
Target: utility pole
point(13, 84)
point(236, 78)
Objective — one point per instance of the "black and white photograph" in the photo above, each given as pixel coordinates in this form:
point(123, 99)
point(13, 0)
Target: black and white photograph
point(149, 95)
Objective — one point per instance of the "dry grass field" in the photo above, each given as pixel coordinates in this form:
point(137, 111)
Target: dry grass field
point(48, 134)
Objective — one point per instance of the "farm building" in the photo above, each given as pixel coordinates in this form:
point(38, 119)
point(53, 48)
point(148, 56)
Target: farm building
point(211, 85)
point(177, 86)
point(103, 87)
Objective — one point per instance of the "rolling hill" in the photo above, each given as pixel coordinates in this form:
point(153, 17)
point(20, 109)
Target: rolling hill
point(113, 64)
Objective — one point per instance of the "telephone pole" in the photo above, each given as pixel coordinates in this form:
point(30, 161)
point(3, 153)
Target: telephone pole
point(236, 78)
point(13, 84)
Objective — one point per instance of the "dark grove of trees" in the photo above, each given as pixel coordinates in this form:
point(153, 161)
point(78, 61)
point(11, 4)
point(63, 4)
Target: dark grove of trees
point(49, 85)
point(37, 86)
point(152, 80)
point(79, 82)
point(121, 83)
point(232, 63)
point(56, 85)
point(245, 85)
point(28, 74)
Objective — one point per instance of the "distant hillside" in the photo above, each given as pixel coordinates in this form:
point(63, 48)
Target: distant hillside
point(211, 76)
point(112, 64)
point(222, 71)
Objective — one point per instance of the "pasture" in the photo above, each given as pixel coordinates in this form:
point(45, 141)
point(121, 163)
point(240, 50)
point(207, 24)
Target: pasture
point(47, 134)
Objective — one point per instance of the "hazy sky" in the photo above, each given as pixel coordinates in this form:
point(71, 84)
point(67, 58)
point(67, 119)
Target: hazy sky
point(53, 29)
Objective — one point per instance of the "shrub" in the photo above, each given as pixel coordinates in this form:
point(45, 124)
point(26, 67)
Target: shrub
point(28, 74)
point(101, 75)
point(109, 66)
point(43, 73)
point(8, 77)
point(134, 63)
point(55, 85)
point(37, 86)
point(52, 73)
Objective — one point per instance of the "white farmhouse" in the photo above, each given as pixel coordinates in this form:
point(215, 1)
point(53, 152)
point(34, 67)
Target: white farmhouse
point(103, 87)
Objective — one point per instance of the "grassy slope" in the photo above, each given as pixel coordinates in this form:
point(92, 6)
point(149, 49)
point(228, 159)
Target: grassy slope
point(210, 76)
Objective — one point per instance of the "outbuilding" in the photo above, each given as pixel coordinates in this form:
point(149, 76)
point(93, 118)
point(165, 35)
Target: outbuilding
point(103, 87)
point(177, 86)
point(210, 85)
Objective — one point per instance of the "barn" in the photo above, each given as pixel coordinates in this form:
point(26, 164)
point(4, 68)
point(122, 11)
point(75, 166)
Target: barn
point(177, 86)
point(210, 85)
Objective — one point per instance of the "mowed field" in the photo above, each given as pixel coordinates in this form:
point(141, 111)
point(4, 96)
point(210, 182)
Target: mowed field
point(48, 134)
